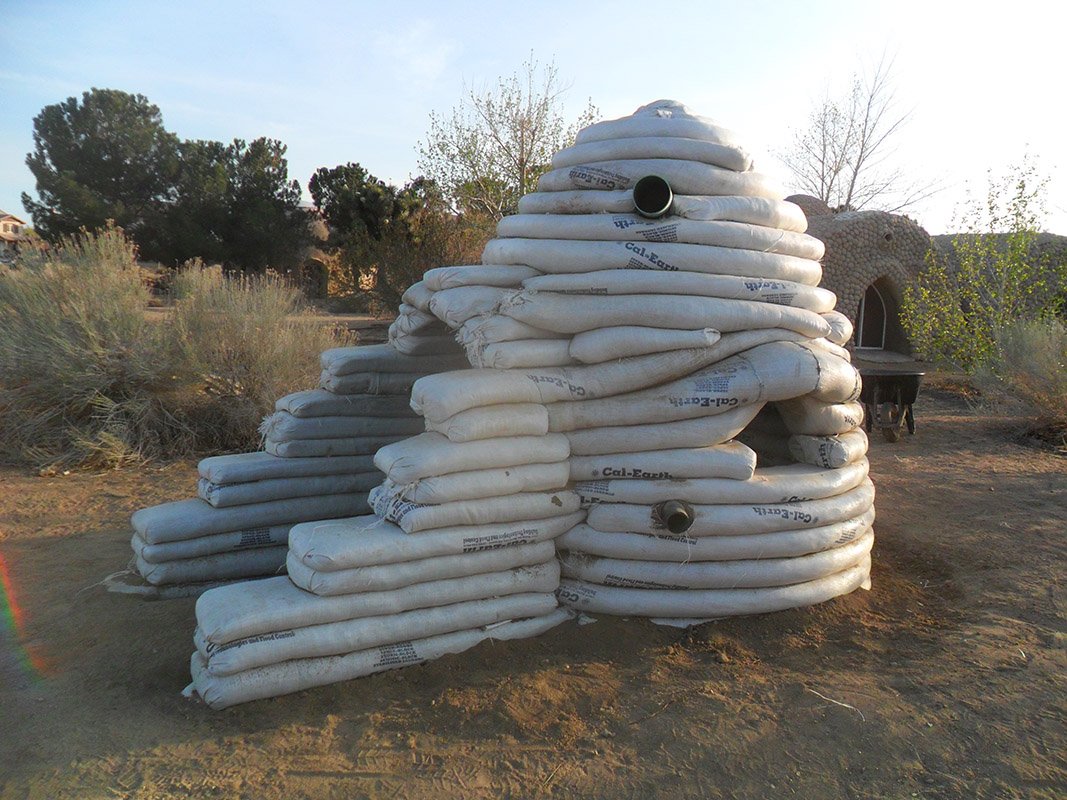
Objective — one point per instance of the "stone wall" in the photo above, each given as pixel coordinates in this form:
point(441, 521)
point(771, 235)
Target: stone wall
point(864, 248)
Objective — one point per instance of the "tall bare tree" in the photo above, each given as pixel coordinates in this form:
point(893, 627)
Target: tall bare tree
point(494, 145)
point(845, 154)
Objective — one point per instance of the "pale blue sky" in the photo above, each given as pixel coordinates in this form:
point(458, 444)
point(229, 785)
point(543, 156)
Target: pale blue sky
point(355, 81)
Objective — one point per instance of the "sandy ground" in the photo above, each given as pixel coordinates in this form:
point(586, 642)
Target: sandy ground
point(945, 681)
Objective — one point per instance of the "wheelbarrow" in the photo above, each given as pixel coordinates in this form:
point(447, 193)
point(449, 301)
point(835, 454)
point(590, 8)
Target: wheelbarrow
point(887, 396)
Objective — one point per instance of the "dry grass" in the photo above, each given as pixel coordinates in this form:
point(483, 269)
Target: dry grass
point(87, 381)
point(1031, 365)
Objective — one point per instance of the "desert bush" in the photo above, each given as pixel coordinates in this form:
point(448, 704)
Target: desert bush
point(88, 379)
point(1031, 363)
point(243, 339)
point(996, 277)
point(383, 268)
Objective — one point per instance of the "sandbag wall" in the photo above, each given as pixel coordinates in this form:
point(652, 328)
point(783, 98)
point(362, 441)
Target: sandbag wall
point(363, 596)
point(317, 464)
point(676, 296)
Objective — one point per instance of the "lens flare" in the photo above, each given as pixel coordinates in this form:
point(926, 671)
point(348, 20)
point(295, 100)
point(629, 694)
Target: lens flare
point(12, 621)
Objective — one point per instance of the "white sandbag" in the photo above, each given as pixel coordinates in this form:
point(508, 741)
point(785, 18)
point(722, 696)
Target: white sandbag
point(188, 519)
point(379, 358)
point(713, 603)
point(810, 417)
point(480, 331)
point(336, 638)
point(267, 536)
point(737, 520)
point(241, 494)
point(506, 276)
point(415, 517)
point(299, 674)
point(488, 422)
point(320, 403)
point(418, 296)
point(608, 344)
point(832, 452)
point(437, 397)
point(216, 567)
point(740, 574)
point(281, 426)
point(833, 349)
point(769, 372)
point(681, 548)
point(321, 448)
point(700, 432)
point(728, 460)
point(840, 327)
point(431, 454)
point(371, 541)
point(726, 156)
point(380, 577)
point(424, 345)
point(633, 227)
point(411, 321)
point(456, 306)
point(786, 484)
point(752, 210)
point(685, 177)
point(394, 383)
point(569, 313)
point(731, 287)
point(521, 354)
point(568, 256)
point(483, 483)
point(599, 345)
point(660, 118)
point(260, 466)
point(276, 604)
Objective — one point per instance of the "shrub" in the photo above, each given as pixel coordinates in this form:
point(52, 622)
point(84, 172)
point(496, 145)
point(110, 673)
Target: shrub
point(88, 379)
point(1031, 363)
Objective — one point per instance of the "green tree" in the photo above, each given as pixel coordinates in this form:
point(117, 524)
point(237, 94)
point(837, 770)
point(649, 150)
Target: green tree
point(104, 157)
point(993, 277)
point(194, 224)
point(491, 148)
point(353, 201)
point(265, 226)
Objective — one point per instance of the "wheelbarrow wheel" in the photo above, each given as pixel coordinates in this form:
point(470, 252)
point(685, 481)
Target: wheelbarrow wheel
point(891, 434)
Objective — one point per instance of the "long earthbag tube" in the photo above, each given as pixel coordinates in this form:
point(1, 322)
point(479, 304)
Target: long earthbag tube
point(438, 397)
point(704, 603)
point(742, 574)
point(737, 520)
point(558, 256)
point(763, 211)
point(229, 613)
point(632, 227)
point(337, 638)
point(731, 287)
point(687, 177)
point(307, 673)
point(767, 373)
point(720, 155)
point(786, 484)
point(567, 313)
point(730, 460)
point(680, 548)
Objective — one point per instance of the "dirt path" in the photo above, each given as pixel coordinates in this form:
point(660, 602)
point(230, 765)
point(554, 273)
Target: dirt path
point(947, 680)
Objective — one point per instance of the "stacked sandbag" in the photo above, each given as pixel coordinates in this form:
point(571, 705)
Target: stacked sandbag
point(317, 464)
point(363, 596)
point(674, 302)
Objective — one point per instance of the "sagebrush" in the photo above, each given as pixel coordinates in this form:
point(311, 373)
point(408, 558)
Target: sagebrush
point(89, 378)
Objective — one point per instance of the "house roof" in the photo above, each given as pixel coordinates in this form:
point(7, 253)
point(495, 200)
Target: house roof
point(5, 215)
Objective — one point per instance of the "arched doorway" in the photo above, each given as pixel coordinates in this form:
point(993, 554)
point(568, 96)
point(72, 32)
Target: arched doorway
point(871, 320)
